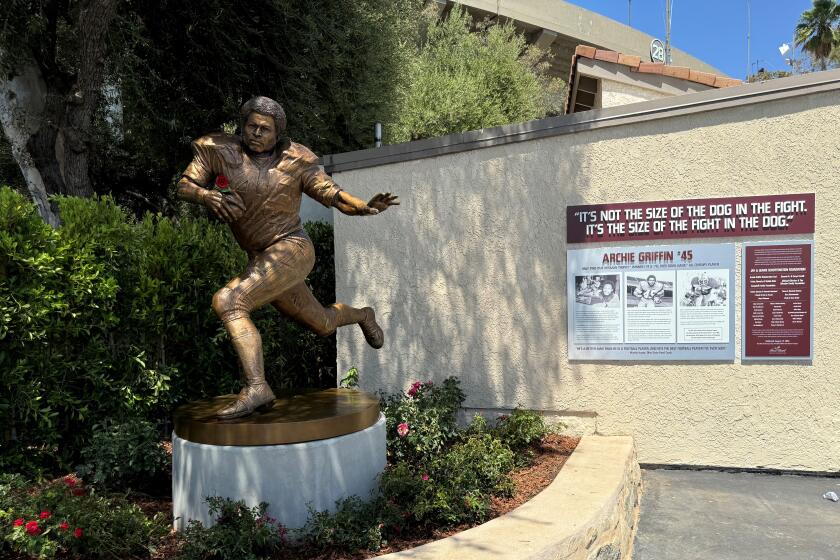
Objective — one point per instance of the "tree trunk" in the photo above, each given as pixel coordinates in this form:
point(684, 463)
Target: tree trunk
point(95, 17)
point(43, 144)
point(21, 112)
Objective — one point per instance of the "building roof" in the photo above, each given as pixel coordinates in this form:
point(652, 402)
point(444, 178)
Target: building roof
point(636, 64)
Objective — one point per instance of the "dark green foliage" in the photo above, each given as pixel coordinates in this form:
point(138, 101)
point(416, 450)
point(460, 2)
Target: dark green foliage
point(354, 525)
point(520, 429)
point(110, 317)
point(108, 527)
point(429, 413)
point(240, 533)
point(125, 455)
point(335, 66)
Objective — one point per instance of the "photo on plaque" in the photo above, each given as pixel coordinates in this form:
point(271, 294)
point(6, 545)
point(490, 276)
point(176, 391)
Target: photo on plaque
point(704, 288)
point(599, 290)
point(655, 289)
point(704, 311)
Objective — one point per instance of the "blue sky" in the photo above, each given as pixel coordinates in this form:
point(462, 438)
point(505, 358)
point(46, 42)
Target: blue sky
point(715, 31)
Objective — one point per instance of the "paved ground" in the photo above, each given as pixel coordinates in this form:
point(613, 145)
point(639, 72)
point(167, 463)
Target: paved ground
point(687, 515)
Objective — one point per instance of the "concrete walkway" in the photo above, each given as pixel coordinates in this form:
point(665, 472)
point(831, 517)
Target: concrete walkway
point(708, 515)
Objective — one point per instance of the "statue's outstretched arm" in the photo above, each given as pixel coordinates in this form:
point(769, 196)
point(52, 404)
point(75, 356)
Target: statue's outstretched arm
point(348, 204)
point(320, 186)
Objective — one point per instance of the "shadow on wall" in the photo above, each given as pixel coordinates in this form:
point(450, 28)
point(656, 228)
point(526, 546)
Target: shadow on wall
point(468, 275)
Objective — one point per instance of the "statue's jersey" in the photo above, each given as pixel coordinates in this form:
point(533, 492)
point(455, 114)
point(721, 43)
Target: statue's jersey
point(270, 186)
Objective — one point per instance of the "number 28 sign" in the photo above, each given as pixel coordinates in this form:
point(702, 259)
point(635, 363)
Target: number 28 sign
point(657, 51)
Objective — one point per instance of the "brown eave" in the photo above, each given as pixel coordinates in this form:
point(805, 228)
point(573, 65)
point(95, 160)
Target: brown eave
point(636, 64)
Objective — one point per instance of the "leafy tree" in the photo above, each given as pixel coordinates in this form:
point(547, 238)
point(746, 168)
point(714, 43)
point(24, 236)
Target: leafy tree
point(51, 77)
point(460, 80)
point(818, 31)
point(105, 95)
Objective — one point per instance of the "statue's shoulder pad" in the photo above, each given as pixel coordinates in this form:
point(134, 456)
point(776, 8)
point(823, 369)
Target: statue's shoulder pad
point(228, 146)
point(219, 140)
point(301, 152)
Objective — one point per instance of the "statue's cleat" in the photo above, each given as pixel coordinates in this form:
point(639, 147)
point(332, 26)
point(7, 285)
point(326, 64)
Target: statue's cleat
point(249, 399)
point(372, 331)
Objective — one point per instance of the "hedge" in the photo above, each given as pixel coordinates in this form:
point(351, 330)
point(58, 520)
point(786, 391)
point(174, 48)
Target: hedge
point(109, 317)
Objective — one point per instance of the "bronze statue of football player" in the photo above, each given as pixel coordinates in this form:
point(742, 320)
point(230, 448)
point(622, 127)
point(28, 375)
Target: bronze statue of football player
point(255, 183)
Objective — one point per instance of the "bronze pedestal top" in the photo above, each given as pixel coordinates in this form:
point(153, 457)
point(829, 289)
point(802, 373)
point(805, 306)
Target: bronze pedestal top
point(295, 416)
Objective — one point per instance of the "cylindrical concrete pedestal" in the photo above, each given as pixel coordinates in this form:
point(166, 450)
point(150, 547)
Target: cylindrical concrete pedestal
point(289, 476)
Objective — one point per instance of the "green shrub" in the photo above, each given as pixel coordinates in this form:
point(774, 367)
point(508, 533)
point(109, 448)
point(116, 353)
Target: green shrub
point(63, 518)
point(422, 422)
point(355, 525)
point(520, 429)
point(124, 455)
point(109, 317)
point(240, 533)
point(465, 76)
point(455, 487)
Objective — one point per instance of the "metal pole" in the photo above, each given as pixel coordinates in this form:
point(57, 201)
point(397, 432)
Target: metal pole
point(377, 134)
point(667, 31)
point(749, 55)
point(629, 11)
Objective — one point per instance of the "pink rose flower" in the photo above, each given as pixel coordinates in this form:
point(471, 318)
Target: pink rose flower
point(45, 515)
point(424, 477)
point(414, 388)
point(402, 429)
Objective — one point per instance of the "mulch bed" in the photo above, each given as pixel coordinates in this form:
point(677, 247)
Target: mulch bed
point(548, 458)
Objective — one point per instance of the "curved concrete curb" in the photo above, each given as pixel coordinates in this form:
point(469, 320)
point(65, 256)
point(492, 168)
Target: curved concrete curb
point(587, 513)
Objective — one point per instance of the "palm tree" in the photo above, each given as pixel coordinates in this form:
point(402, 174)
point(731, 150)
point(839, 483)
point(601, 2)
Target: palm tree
point(816, 32)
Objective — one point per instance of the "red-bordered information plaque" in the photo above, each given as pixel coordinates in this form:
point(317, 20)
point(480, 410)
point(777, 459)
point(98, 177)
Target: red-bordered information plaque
point(743, 216)
point(778, 301)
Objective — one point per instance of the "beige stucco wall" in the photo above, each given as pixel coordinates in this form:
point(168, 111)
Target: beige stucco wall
point(468, 279)
point(613, 94)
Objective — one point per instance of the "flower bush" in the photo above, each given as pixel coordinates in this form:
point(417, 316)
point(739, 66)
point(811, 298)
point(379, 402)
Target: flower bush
point(421, 422)
point(240, 533)
point(438, 476)
point(64, 518)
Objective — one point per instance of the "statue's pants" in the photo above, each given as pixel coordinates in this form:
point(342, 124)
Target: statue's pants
point(276, 276)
